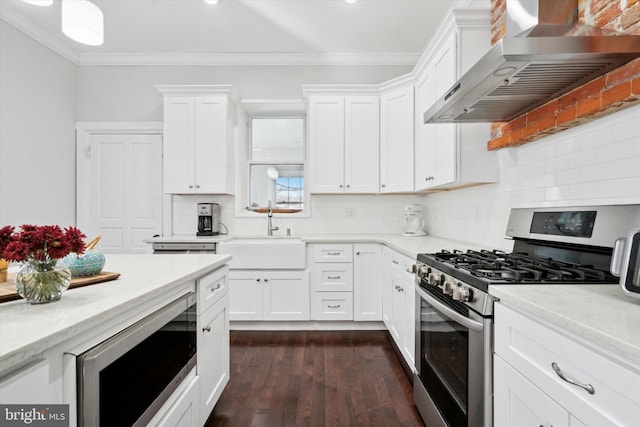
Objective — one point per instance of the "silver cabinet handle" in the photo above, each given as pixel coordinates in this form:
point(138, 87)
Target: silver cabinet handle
point(588, 387)
point(215, 288)
point(206, 329)
point(394, 262)
point(334, 306)
point(333, 253)
point(348, 186)
point(191, 186)
point(197, 186)
point(340, 186)
point(382, 185)
point(258, 279)
point(266, 279)
point(429, 178)
point(357, 253)
point(333, 277)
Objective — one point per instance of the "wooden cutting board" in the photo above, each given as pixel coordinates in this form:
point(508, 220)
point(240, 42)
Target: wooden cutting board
point(8, 283)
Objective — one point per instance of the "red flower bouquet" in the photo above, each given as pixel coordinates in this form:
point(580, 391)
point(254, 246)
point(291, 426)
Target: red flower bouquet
point(44, 276)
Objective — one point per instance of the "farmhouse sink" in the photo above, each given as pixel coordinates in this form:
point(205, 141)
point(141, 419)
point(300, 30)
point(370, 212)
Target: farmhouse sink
point(264, 253)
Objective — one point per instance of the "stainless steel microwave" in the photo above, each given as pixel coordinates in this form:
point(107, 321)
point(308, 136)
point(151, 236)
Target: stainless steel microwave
point(625, 262)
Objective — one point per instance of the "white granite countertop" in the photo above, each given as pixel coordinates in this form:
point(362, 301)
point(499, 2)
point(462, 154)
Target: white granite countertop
point(27, 330)
point(601, 314)
point(409, 246)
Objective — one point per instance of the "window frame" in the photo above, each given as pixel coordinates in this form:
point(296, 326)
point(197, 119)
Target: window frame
point(247, 161)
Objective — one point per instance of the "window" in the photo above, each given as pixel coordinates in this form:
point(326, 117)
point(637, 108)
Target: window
point(276, 163)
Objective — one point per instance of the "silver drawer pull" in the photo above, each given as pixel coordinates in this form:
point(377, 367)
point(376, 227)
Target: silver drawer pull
point(588, 387)
point(333, 253)
point(215, 288)
point(334, 306)
point(206, 329)
point(333, 277)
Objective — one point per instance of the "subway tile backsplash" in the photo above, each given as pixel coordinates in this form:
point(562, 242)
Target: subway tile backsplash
point(596, 163)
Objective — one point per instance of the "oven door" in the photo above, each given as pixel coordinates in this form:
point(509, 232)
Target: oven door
point(453, 350)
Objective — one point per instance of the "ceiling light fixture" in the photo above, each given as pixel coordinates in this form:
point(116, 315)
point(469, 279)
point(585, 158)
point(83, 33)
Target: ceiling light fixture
point(83, 22)
point(39, 2)
point(350, 1)
point(211, 1)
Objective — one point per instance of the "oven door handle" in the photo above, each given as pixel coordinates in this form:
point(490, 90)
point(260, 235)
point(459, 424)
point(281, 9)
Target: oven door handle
point(464, 321)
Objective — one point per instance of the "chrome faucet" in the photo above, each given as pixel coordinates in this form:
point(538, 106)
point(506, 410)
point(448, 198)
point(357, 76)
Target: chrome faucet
point(270, 227)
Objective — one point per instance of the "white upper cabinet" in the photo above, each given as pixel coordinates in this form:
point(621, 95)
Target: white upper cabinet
point(198, 140)
point(344, 143)
point(451, 155)
point(396, 140)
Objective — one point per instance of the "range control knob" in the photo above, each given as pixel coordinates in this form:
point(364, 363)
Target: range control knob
point(447, 287)
point(434, 279)
point(421, 271)
point(461, 293)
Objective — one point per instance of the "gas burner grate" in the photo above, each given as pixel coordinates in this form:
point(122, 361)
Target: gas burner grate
point(517, 267)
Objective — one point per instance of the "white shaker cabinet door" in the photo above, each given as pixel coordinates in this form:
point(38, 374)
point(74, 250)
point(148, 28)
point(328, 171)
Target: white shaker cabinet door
point(179, 145)
point(326, 144)
point(245, 295)
point(517, 402)
point(362, 144)
point(367, 282)
point(286, 295)
point(211, 145)
point(396, 141)
point(424, 158)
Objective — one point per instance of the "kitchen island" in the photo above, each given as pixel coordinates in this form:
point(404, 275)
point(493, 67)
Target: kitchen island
point(49, 336)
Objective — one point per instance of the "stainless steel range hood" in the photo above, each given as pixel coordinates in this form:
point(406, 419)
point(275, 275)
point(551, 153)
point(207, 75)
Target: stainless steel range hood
point(548, 56)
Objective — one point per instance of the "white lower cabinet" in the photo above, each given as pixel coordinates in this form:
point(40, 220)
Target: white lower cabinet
point(185, 411)
point(347, 281)
point(399, 302)
point(269, 294)
point(213, 363)
point(530, 359)
point(333, 305)
point(31, 384)
point(367, 282)
point(517, 402)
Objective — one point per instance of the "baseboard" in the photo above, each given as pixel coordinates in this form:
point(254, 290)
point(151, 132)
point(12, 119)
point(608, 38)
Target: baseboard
point(306, 326)
point(405, 366)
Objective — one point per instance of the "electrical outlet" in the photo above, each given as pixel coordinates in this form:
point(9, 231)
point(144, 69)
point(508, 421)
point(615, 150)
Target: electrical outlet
point(348, 213)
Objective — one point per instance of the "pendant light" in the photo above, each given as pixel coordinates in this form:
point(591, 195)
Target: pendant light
point(39, 2)
point(83, 22)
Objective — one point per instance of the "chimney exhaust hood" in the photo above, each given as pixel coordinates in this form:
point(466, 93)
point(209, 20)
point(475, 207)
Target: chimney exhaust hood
point(544, 54)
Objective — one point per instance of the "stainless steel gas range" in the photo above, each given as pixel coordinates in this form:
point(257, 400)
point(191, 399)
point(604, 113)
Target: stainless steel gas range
point(454, 317)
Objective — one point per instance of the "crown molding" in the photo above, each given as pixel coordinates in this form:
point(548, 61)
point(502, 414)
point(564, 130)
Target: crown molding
point(10, 16)
point(240, 59)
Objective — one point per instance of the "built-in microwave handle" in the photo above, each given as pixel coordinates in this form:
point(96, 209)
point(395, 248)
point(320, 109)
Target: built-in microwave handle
point(464, 321)
point(618, 256)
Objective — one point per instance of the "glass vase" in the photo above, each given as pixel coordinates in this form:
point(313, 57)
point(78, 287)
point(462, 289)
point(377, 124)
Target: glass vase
point(40, 282)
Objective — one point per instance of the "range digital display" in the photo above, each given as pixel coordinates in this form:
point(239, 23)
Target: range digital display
point(570, 223)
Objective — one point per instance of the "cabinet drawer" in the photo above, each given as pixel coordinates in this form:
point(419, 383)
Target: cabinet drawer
point(337, 277)
point(531, 347)
point(333, 305)
point(211, 288)
point(337, 252)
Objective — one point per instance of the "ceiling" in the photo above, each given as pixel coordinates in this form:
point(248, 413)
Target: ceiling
point(369, 32)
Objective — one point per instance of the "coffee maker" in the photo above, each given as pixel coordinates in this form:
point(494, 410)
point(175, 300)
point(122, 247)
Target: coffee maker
point(208, 219)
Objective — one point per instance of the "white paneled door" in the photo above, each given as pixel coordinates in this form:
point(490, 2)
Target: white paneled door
point(121, 197)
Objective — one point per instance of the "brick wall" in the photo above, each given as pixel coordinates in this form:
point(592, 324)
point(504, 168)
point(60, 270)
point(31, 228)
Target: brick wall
point(616, 90)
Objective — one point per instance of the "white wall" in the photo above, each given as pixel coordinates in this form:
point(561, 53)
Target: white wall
point(594, 164)
point(128, 94)
point(37, 136)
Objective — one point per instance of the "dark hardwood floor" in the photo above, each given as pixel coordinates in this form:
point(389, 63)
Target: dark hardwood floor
point(314, 378)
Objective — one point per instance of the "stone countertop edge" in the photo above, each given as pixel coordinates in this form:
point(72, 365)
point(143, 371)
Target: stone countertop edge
point(409, 246)
point(601, 317)
point(82, 308)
